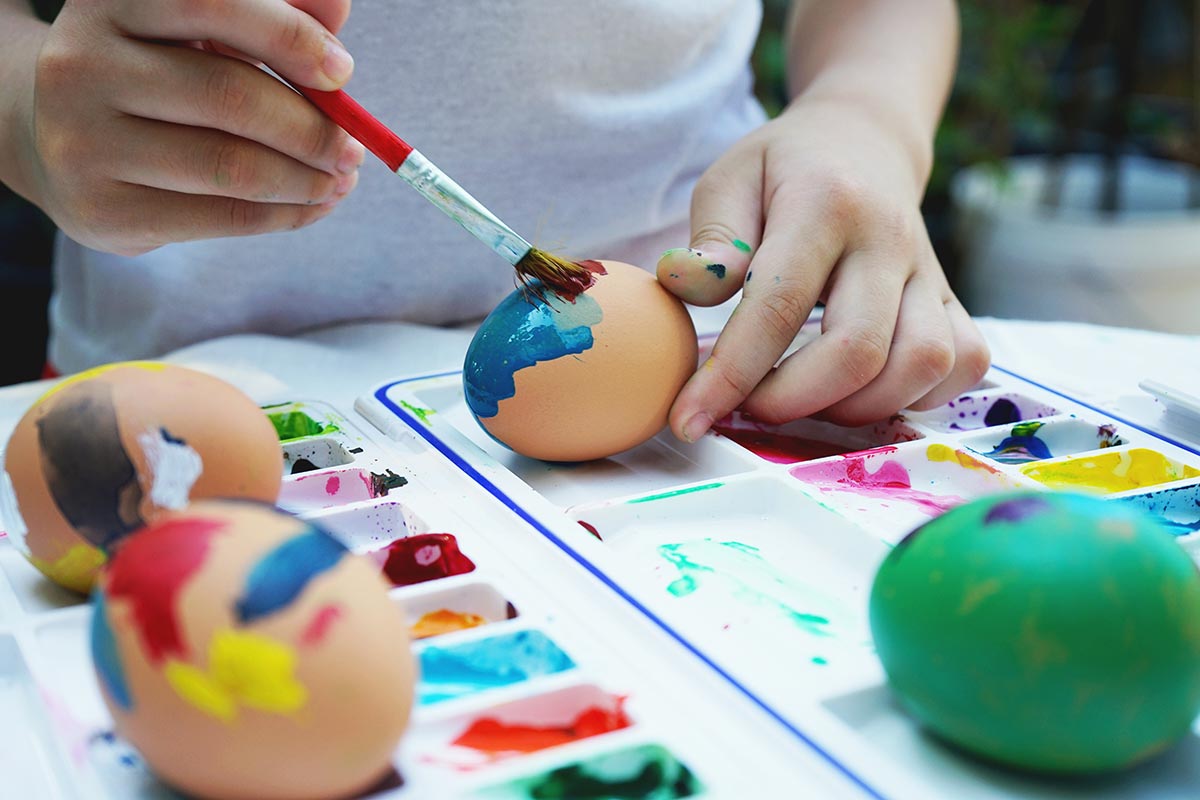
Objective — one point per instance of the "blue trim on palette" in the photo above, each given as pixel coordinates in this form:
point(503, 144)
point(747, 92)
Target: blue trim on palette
point(425, 433)
point(1181, 445)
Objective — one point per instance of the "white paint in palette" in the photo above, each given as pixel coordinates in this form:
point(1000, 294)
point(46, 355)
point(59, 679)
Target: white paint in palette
point(174, 468)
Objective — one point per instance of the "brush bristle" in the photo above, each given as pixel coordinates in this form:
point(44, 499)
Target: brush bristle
point(563, 277)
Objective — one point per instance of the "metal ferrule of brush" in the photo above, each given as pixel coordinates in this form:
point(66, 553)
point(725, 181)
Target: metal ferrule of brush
point(437, 187)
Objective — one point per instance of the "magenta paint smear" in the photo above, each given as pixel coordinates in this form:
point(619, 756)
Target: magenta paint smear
point(890, 481)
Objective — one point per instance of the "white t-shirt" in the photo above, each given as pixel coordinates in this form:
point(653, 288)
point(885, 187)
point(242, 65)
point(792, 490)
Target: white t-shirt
point(582, 124)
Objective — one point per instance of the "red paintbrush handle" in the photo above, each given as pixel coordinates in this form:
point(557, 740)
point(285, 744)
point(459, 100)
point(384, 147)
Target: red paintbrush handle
point(358, 122)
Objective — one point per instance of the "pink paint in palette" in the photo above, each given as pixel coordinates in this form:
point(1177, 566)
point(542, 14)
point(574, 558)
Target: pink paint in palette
point(677, 621)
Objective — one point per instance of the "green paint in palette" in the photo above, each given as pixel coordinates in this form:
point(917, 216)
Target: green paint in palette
point(675, 493)
point(645, 772)
point(297, 425)
point(742, 569)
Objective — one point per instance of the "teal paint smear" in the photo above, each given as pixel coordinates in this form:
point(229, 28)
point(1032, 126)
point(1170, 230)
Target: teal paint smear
point(457, 671)
point(522, 331)
point(744, 570)
point(674, 493)
point(644, 772)
point(740, 245)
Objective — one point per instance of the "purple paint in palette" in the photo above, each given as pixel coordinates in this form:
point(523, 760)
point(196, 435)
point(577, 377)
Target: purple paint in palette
point(974, 412)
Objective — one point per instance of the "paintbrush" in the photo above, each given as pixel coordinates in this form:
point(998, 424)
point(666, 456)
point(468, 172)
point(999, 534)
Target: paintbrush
point(562, 276)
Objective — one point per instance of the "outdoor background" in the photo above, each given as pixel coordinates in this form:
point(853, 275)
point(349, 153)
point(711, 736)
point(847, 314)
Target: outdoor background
point(1110, 77)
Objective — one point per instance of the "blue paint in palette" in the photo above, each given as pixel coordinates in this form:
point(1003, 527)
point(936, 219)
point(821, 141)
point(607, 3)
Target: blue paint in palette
point(281, 575)
point(107, 657)
point(1178, 510)
point(522, 331)
point(460, 670)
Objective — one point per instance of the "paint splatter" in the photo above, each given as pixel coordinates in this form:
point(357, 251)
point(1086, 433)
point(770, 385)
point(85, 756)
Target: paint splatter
point(107, 657)
point(645, 772)
point(674, 493)
point(420, 413)
point(740, 245)
point(776, 447)
point(450, 672)
point(85, 465)
point(972, 412)
point(743, 569)
point(716, 269)
point(1178, 510)
point(590, 528)
point(422, 557)
point(1111, 472)
point(442, 621)
point(150, 574)
point(519, 333)
point(302, 465)
point(281, 575)
point(499, 739)
point(380, 483)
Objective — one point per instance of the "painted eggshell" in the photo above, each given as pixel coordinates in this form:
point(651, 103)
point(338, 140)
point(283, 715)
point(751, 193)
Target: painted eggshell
point(572, 379)
point(247, 654)
point(1052, 632)
point(105, 451)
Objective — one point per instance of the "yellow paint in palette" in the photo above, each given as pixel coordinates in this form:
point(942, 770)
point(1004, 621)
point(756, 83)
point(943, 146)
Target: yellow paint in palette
point(1111, 472)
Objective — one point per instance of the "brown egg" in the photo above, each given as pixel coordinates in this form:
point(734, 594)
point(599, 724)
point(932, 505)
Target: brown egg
point(106, 451)
point(572, 379)
point(247, 654)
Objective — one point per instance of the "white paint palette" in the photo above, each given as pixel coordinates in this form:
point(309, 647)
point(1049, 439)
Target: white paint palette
point(676, 621)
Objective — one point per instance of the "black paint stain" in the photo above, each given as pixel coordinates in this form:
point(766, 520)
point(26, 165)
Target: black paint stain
point(718, 270)
point(1002, 412)
point(382, 483)
point(90, 476)
point(749, 275)
point(303, 465)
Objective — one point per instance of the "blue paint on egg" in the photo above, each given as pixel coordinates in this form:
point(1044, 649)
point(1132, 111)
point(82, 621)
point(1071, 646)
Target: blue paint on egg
point(107, 657)
point(521, 332)
point(281, 576)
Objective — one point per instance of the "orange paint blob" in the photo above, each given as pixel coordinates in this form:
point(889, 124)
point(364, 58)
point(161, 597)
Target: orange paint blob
point(492, 736)
point(435, 623)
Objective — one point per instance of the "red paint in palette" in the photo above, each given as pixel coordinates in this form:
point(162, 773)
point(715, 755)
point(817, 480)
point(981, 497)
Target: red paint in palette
point(151, 567)
point(780, 448)
point(423, 557)
point(497, 738)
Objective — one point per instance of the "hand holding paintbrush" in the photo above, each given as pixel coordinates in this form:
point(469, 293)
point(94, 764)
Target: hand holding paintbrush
point(564, 277)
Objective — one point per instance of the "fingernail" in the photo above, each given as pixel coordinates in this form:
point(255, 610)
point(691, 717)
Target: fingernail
point(351, 158)
point(697, 426)
point(344, 185)
point(338, 63)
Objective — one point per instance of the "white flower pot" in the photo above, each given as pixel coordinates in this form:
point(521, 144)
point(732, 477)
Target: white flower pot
point(1139, 267)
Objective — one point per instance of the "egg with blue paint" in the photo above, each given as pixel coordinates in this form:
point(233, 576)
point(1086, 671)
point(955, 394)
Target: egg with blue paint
point(248, 654)
point(1052, 632)
point(105, 451)
point(574, 378)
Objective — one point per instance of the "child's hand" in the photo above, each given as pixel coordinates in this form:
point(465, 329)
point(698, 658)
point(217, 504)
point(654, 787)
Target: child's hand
point(820, 204)
point(136, 142)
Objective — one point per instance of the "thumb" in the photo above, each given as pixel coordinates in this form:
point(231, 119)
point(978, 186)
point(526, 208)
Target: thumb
point(726, 229)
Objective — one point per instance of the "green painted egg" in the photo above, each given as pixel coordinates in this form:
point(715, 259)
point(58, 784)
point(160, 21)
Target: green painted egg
point(1052, 632)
